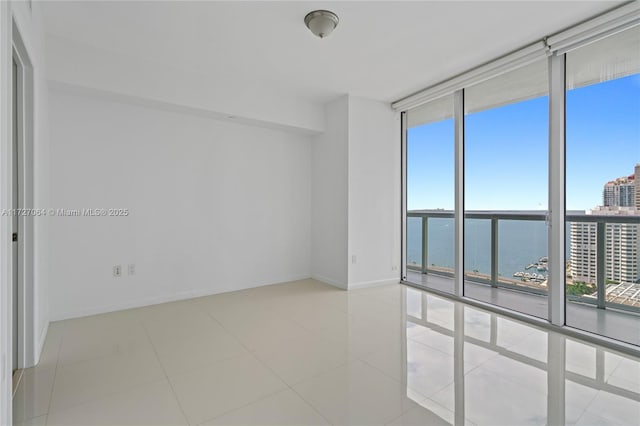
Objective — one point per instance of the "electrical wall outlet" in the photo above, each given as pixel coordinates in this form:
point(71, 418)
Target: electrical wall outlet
point(117, 271)
point(131, 269)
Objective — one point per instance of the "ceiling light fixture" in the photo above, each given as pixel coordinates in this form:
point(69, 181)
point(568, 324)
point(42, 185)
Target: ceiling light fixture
point(321, 22)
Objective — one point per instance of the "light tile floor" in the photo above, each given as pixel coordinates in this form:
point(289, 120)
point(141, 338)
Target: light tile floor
point(305, 353)
point(619, 325)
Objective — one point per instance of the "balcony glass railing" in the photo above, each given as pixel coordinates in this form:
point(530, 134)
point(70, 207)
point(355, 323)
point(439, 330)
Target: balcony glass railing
point(509, 250)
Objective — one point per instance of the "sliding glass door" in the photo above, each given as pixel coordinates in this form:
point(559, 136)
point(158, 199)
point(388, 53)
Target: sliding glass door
point(554, 138)
point(603, 186)
point(430, 194)
point(506, 189)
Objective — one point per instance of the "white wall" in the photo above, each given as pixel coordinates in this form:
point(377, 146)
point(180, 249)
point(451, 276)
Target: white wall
point(329, 196)
point(80, 66)
point(29, 23)
point(374, 193)
point(356, 195)
point(215, 206)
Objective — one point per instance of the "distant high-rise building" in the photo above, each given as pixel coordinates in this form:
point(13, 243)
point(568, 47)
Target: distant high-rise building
point(621, 252)
point(583, 251)
point(620, 192)
point(637, 185)
point(620, 197)
point(621, 248)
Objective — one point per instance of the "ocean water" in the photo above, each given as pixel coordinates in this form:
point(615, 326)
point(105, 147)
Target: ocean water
point(520, 243)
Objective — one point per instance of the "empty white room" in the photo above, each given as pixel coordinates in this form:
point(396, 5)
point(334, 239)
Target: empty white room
point(319, 212)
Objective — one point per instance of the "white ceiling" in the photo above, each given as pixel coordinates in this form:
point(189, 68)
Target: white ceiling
point(381, 50)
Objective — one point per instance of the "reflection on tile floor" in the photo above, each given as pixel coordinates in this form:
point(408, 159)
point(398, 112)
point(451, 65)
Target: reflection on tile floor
point(616, 324)
point(306, 353)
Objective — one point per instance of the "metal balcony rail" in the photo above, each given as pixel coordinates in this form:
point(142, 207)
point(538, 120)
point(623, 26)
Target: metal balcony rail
point(625, 298)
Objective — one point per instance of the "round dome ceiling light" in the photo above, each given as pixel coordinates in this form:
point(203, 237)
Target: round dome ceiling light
point(321, 22)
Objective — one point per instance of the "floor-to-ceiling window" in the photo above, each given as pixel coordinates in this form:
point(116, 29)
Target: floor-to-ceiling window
point(603, 186)
point(430, 194)
point(506, 189)
point(543, 164)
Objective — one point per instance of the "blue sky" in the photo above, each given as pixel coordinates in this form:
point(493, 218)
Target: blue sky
point(506, 151)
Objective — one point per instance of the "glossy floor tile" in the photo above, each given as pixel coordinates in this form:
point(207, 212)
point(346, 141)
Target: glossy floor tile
point(224, 386)
point(150, 404)
point(88, 380)
point(34, 393)
point(616, 324)
point(282, 408)
point(356, 394)
point(306, 353)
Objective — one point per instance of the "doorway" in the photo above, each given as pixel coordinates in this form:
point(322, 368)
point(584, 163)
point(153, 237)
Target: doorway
point(21, 223)
point(15, 206)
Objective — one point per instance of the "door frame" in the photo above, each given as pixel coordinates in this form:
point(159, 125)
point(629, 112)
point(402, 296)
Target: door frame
point(26, 313)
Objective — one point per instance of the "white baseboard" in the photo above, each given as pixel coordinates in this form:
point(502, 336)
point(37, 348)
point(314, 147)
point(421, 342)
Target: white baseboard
point(377, 283)
point(155, 300)
point(329, 281)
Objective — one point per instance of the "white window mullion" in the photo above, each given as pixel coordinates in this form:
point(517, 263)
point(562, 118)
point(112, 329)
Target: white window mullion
point(403, 211)
point(556, 229)
point(458, 113)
